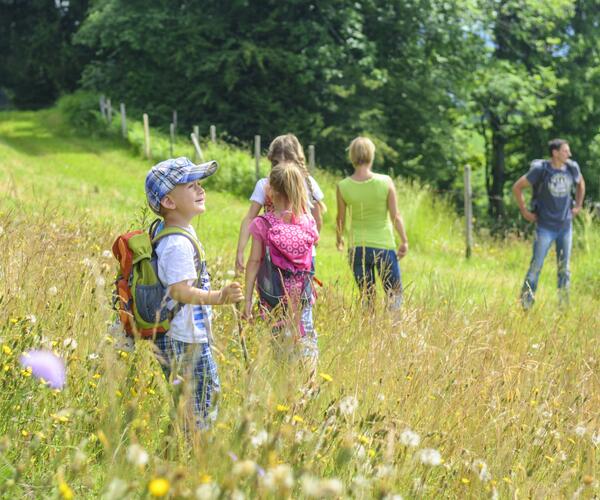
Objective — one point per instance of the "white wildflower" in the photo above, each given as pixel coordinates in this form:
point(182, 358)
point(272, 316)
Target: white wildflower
point(93, 356)
point(381, 397)
point(562, 456)
point(410, 438)
point(70, 343)
point(100, 282)
point(52, 291)
point(383, 470)
point(280, 477)
point(596, 438)
point(361, 452)
point(207, 491)
point(107, 254)
point(535, 346)
point(348, 405)
point(481, 469)
point(259, 439)
point(136, 455)
point(31, 318)
point(322, 488)
point(429, 456)
point(495, 494)
point(580, 430)
point(87, 262)
point(244, 468)
point(231, 273)
point(237, 495)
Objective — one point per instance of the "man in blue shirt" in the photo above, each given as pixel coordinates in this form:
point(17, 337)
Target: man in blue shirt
point(552, 211)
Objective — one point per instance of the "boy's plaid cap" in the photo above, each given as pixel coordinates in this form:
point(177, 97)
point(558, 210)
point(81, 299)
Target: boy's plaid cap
point(164, 176)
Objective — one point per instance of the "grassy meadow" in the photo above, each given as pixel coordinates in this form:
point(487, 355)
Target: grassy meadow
point(466, 397)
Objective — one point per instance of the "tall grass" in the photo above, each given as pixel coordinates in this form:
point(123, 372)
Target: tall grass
point(508, 400)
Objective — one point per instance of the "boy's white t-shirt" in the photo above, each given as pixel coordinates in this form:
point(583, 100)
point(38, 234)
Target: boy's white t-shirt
point(259, 194)
point(176, 257)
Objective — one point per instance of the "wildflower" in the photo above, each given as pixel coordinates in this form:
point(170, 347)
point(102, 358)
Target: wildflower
point(116, 489)
point(410, 438)
point(282, 408)
point(244, 468)
point(596, 438)
point(481, 468)
point(107, 254)
point(321, 488)
point(159, 487)
point(326, 377)
point(136, 455)
point(70, 343)
point(100, 282)
point(6, 350)
point(283, 476)
point(65, 490)
point(580, 430)
point(31, 318)
point(259, 439)
point(46, 365)
point(52, 291)
point(93, 356)
point(348, 405)
point(298, 419)
point(429, 456)
point(87, 262)
point(207, 491)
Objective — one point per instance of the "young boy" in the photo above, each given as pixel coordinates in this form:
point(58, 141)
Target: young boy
point(173, 192)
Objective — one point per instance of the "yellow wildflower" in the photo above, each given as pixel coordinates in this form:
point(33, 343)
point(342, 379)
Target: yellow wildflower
point(298, 418)
point(6, 350)
point(65, 491)
point(326, 377)
point(159, 487)
point(282, 408)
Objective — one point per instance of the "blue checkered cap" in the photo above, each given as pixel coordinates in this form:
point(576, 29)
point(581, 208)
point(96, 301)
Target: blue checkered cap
point(164, 176)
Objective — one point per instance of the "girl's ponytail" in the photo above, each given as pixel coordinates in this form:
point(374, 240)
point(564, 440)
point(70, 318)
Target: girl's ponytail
point(288, 180)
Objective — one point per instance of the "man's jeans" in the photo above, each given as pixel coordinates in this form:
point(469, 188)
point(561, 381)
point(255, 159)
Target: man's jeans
point(542, 243)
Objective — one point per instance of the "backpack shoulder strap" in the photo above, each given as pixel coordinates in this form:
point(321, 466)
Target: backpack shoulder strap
point(170, 231)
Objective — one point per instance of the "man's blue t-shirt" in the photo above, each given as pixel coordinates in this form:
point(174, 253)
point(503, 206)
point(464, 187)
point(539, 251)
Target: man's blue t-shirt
point(552, 190)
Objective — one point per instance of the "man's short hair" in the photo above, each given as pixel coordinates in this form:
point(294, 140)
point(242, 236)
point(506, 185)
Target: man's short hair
point(555, 145)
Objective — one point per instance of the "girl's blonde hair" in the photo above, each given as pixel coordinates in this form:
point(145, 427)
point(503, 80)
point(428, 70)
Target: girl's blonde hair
point(362, 151)
point(287, 148)
point(287, 179)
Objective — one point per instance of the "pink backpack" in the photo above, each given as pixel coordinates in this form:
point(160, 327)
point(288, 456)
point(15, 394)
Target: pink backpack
point(286, 269)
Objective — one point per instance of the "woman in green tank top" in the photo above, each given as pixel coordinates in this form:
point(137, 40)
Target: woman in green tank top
point(371, 202)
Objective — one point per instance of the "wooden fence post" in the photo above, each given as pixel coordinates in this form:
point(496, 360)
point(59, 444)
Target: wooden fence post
point(311, 157)
point(108, 111)
point(146, 136)
point(103, 106)
point(197, 134)
point(257, 155)
point(171, 138)
point(213, 133)
point(194, 138)
point(123, 120)
point(175, 119)
point(468, 211)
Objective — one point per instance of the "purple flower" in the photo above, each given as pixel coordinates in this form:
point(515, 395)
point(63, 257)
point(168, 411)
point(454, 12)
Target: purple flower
point(45, 365)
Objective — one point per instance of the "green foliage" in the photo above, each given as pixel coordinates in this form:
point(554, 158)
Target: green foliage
point(81, 111)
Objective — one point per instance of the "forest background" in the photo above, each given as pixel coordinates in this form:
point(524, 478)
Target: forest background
point(437, 84)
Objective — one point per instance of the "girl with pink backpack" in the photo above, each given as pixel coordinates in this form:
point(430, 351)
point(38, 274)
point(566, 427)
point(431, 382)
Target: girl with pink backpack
point(280, 261)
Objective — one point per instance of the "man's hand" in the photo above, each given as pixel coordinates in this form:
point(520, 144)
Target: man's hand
point(402, 250)
point(529, 216)
point(231, 294)
point(575, 211)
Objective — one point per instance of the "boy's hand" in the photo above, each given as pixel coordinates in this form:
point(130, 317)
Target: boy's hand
point(402, 250)
point(575, 211)
point(340, 244)
point(231, 294)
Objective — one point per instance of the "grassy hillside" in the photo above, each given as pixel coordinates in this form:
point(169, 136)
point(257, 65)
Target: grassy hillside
point(508, 399)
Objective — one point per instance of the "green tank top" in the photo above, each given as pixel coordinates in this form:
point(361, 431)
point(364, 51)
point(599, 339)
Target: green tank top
point(367, 208)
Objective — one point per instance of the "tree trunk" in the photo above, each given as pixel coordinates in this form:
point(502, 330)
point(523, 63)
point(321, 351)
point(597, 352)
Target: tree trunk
point(496, 193)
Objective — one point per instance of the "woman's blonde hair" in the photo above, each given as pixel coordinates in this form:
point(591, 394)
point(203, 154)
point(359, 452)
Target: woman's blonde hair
point(286, 178)
point(362, 151)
